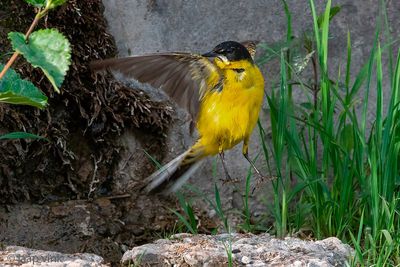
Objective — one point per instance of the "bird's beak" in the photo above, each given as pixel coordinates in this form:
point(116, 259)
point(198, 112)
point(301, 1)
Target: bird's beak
point(210, 54)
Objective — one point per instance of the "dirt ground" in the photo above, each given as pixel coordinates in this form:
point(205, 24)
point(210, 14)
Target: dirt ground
point(62, 194)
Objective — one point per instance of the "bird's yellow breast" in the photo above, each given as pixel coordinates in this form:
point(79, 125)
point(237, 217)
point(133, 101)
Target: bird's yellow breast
point(229, 111)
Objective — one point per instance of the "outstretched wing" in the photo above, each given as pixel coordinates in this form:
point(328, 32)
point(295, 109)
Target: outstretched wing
point(184, 77)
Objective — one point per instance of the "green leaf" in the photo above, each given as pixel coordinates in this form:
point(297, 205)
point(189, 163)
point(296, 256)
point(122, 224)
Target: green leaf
point(47, 49)
point(50, 4)
point(184, 221)
point(21, 135)
point(307, 105)
point(36, 3)
point(333, 12)
point(14, 90)
point(346, 137)
point(54, 3)
point(388, 237)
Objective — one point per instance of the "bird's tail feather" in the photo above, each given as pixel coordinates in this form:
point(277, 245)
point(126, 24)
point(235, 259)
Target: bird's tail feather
point(175, 173)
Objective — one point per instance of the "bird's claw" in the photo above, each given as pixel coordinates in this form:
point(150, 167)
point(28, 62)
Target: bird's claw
point(261, 180)
point(229, 180)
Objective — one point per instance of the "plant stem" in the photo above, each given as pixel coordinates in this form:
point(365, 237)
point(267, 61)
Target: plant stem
point(315, 86)
point(34, 23)
point(14, 57)
point(9, 63)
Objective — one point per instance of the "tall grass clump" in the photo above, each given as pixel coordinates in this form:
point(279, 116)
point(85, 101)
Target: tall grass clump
point(337, 169)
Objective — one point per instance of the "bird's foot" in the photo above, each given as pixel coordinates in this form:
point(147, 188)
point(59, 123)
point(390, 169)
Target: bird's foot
point(229, 180)
point(262, 179)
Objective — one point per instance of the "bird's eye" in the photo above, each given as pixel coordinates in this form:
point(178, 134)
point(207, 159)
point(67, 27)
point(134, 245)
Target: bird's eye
point(229, 50)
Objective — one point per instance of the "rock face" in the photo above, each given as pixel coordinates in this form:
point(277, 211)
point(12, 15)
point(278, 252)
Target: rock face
point(247, 250)
point(20, 256)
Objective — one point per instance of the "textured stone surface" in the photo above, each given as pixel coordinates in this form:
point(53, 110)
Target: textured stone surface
point(25, 257)
point(247, 250)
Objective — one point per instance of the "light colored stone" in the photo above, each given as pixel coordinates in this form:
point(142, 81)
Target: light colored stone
point(25, 257)
point(245, 260)
point(247, 250)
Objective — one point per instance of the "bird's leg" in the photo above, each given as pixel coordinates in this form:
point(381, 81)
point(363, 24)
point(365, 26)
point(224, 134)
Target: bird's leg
point(222, 156)
point(261, 177)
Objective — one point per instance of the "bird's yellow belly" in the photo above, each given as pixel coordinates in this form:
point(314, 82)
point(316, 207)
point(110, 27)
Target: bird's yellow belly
point(227, 117)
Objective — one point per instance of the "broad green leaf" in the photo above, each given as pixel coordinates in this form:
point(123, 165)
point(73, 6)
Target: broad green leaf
point(54, 3)
point(21, 135)
point(47, 49)
point(36, 3)
point(14, 90)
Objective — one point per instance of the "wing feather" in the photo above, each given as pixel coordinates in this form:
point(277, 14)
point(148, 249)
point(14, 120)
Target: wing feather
point(183, 76)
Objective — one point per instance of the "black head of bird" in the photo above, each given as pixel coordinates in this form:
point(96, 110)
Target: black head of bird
point(230, 51)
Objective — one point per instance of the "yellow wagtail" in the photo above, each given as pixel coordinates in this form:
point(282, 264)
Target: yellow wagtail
point(223, 91)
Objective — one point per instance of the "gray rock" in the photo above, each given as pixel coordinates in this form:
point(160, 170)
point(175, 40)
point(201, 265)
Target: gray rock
point(21, 256)
point(247, 250)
